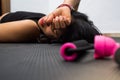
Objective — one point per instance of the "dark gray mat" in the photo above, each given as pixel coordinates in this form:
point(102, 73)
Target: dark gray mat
point(43, 62)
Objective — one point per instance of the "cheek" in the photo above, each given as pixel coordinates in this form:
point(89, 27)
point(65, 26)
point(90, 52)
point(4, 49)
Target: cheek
point(49, 32)
point(46, 30)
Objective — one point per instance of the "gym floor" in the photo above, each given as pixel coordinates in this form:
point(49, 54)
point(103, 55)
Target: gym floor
point(43, 62)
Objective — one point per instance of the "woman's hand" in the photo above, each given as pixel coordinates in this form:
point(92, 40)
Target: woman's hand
point(59, 16)
point(56, 28)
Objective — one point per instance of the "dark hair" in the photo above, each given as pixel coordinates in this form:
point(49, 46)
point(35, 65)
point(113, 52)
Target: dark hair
point(81, 28)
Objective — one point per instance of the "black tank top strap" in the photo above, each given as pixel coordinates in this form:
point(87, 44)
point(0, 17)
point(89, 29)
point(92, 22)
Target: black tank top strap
point(21, 15)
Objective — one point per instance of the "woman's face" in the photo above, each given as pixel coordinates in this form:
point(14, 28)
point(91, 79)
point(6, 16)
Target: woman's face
point(55, 29)
point(50, 32)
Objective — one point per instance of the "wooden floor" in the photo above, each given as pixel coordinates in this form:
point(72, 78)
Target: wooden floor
point(112, 34)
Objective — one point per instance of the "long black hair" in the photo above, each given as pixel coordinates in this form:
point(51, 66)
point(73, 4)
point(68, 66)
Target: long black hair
point(81, 28)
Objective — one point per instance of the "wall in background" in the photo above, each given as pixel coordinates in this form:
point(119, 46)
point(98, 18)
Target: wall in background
point(104, 13)
point(30, 5)
point(4, 6)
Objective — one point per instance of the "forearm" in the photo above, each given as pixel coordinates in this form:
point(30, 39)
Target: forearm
point(74, 3)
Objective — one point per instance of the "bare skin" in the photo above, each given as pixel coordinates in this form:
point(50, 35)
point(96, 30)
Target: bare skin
point(62, 11)
point(26, 31)
point(74, 3)
point(18, 31)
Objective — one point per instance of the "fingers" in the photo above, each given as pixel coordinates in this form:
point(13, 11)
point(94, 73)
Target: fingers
point(47, 19)
point(50, 18)
point(60, 22)
point(57, 31)
point(58, 25)
point(67, 20)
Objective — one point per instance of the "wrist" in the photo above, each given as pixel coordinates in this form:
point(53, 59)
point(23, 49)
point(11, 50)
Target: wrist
point(66, 5)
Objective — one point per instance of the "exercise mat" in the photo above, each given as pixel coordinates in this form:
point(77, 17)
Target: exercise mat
point(43, 62)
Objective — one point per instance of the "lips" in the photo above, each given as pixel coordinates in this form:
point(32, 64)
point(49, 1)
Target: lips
point(42, 22)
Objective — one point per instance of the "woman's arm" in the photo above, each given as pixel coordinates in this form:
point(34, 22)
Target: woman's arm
point(18, 31)
point(73, 3)
point(63, 11)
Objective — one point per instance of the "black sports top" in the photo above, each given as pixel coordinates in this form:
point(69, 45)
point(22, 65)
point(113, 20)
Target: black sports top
point(21, 15)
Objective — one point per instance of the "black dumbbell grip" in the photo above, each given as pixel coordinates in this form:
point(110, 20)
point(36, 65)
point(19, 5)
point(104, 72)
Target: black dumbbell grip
point(70, 50)
point(117, 56)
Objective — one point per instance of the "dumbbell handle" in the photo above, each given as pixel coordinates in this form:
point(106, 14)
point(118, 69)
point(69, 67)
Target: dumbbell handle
point(70, 50)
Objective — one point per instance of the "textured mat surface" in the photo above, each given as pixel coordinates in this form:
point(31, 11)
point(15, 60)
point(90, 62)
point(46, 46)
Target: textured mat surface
point(43, 62)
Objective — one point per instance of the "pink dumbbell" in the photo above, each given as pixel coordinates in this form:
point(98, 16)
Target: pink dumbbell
point(103, 46)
